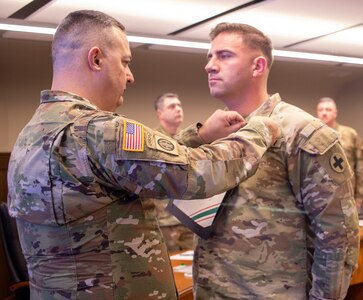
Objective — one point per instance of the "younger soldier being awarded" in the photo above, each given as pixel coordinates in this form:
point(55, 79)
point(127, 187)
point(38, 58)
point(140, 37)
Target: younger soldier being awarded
point(78, 170)
point(290, 231)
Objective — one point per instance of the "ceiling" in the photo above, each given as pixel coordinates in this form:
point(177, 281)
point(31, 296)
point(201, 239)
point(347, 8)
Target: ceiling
point(317, 26)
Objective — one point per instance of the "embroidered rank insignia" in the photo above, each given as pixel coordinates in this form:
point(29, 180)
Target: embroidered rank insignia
point(133, 137)
point(337, 162)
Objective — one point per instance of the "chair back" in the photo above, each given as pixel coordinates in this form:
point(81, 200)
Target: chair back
point(10, 240)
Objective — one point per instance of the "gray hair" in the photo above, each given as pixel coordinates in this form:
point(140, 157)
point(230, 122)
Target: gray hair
point(78, 30)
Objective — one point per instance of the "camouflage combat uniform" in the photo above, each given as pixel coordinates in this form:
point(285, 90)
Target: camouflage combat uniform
point(75, 177)
point(352, 146)
point(299, 198)
point(177, 236)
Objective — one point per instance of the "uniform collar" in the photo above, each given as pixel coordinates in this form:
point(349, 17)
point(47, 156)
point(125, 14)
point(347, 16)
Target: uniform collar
point(161, 129)
point(266, 108)
point(47, 96)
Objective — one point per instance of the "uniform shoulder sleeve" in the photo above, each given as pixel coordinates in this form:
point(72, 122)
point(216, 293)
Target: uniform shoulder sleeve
point(319, 140)
point(324, 144)
point(327, 199)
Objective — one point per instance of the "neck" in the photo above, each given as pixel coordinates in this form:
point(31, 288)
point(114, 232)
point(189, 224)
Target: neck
point(170, 128)
point(72, 84)
point(68, 82)
point(247, 103)
point(332, 124)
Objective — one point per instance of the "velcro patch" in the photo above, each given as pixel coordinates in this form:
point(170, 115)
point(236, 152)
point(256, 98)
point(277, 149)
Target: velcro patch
point(337, 162)
point(133, 137)
point(320, 141)
point(167, 145)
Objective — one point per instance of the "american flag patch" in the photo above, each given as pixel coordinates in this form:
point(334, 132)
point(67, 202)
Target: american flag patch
point(133, 137)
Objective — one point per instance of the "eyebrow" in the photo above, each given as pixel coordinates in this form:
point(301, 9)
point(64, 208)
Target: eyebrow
point(127, 57)
point(209, 54)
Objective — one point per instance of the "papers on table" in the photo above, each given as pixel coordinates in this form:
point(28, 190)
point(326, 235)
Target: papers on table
point(186, 255)
point(187, 270)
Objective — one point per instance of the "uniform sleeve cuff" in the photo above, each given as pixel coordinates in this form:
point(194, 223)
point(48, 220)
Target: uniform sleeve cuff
point(190, 136)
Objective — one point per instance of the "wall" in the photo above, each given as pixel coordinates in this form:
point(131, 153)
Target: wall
point(350, 102)
point(157, 72)
point(26, 69)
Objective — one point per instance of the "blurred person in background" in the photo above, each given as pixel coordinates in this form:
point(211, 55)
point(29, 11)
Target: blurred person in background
point(169, 112)
point(327, 111)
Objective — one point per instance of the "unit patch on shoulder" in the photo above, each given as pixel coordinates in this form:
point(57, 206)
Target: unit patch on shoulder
point(133, 137)
point(337, 162)
point(166, 145)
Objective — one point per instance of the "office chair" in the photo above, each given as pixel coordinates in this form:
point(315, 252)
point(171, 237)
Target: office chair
point(14, 255)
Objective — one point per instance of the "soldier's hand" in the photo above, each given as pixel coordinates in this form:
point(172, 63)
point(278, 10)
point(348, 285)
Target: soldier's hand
point(220, 124)
point(272, 129)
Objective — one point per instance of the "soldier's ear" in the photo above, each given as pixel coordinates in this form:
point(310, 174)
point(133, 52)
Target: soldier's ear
point(94, 59)
point(259, 66)
point(158, 113)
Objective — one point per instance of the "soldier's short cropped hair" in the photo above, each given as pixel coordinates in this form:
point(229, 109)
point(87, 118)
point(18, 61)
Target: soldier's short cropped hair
point(252, 37)
point(81, 28)
point(159, 101)
point(327, 100)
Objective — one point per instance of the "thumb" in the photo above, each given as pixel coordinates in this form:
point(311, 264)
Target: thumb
point(234, 117)
point(236, 125)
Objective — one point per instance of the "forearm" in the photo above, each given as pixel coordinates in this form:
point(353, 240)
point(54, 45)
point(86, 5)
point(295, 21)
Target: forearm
point(190, 136)
point(168, 169)
point(336, 244)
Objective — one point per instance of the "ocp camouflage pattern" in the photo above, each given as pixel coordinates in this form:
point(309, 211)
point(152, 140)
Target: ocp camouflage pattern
point(352, 145)
point(291, 230)
point(75, 194)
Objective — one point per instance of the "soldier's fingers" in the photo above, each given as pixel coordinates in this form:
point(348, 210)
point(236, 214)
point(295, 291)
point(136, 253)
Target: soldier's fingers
point(234, 117)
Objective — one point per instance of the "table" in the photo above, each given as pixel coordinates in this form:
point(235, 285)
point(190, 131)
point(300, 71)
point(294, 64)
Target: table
point(184, 284)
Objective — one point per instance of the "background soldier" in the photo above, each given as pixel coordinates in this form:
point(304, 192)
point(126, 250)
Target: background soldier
point(169, 112)
point(327, 112)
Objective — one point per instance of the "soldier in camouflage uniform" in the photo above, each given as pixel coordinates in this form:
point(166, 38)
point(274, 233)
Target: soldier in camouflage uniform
point(78, 170)
point(169, 112)
point(351, 143)
point(291, 230)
